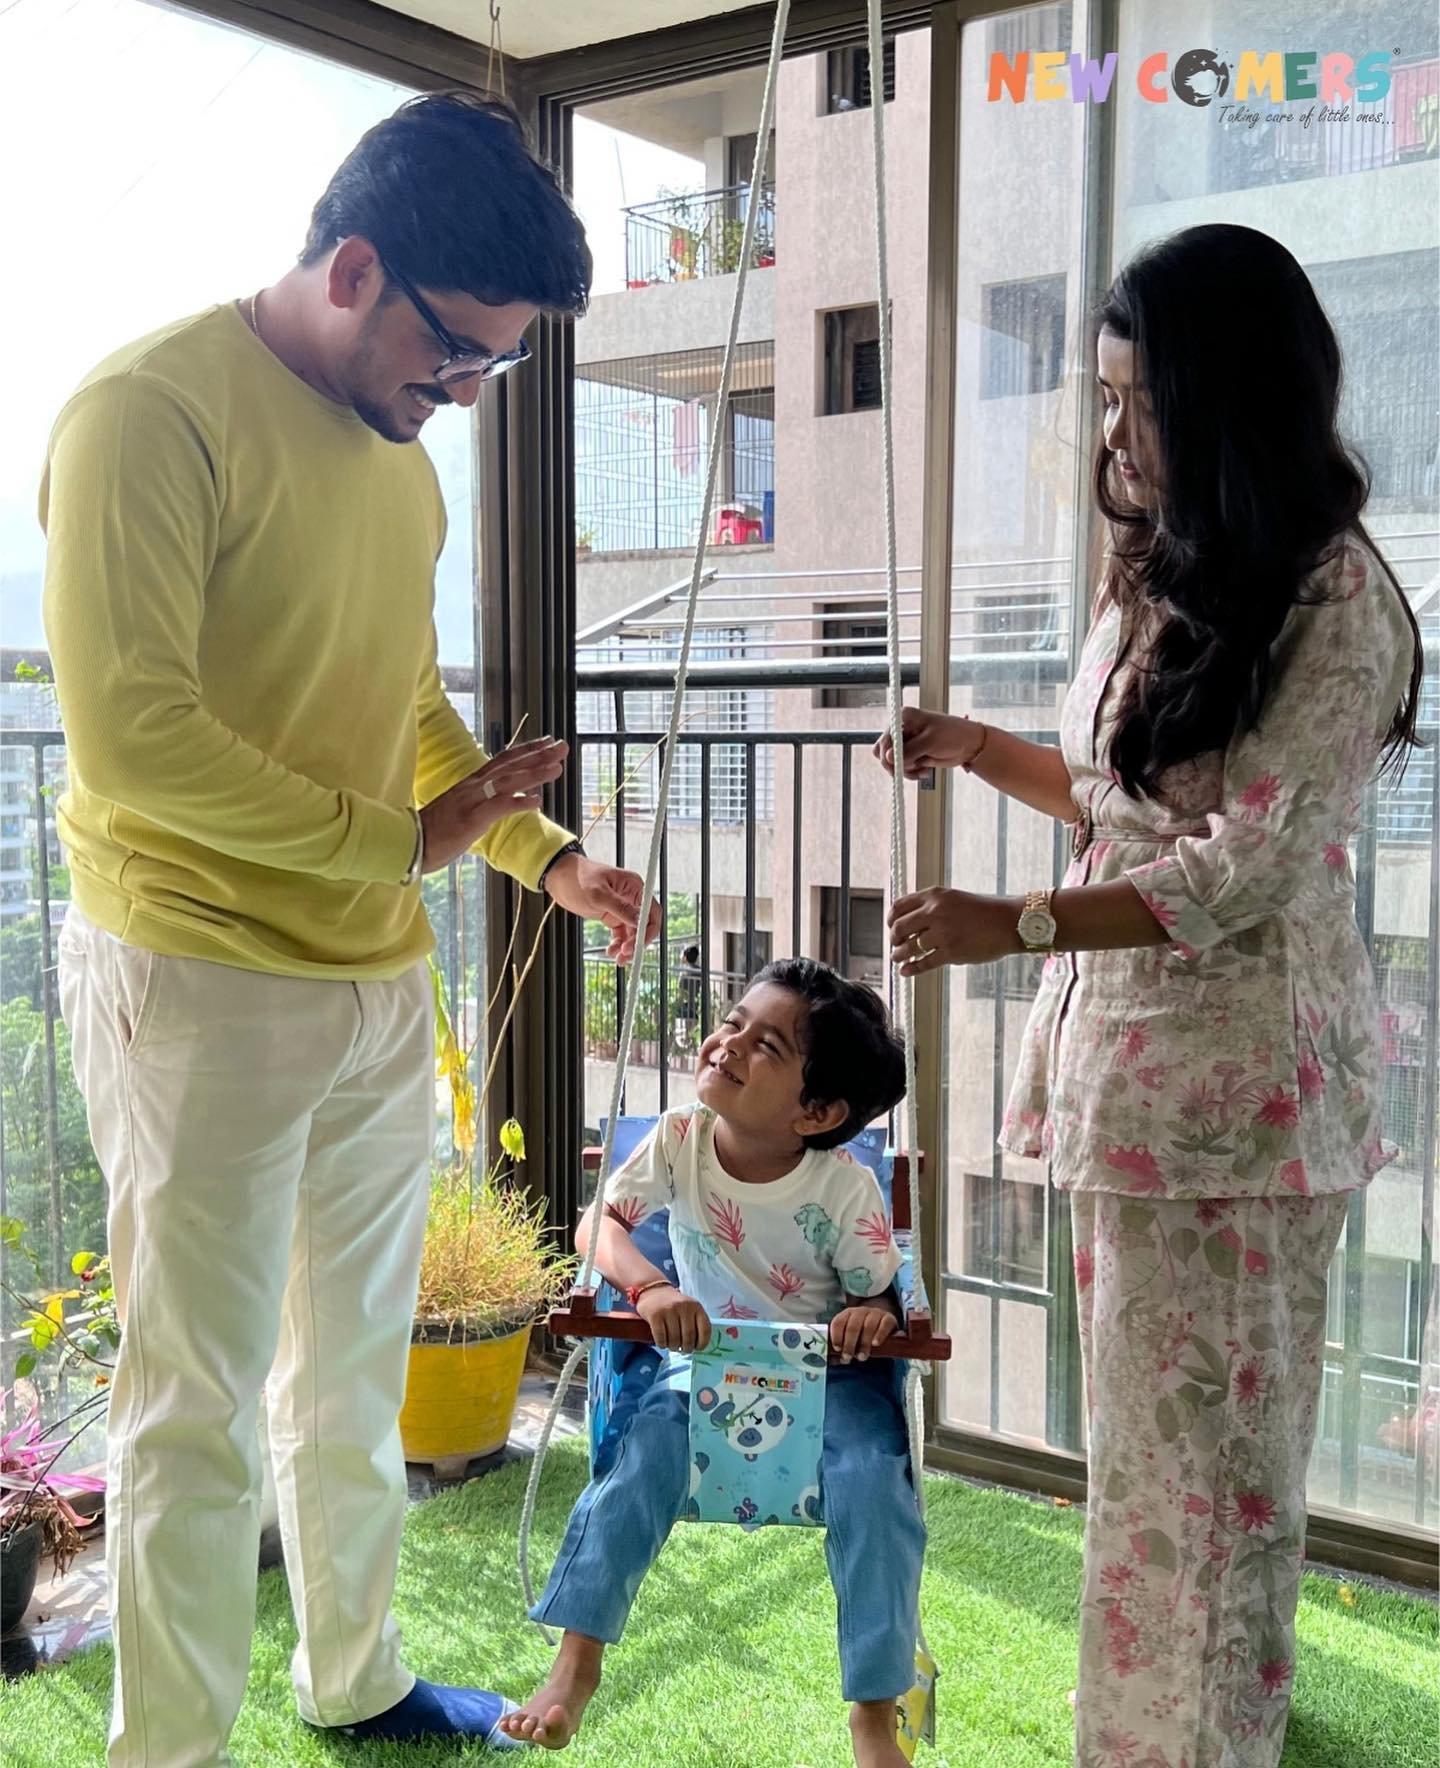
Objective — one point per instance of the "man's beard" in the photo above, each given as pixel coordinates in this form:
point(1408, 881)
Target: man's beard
point(379, 417)
point(381, 420)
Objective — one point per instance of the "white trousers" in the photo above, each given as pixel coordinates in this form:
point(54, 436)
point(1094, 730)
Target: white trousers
point(266, 1141)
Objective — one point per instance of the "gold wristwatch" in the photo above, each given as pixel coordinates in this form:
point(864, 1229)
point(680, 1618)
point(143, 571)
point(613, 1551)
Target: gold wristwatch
point(1036, 925)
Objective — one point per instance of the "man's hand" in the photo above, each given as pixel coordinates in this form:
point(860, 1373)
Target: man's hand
point(854, 1332)
point(598, 892)
point(455, 821)
point(676, 1322)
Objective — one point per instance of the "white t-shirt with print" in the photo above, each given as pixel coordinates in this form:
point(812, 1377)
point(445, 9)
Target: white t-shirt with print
point(798, 1248)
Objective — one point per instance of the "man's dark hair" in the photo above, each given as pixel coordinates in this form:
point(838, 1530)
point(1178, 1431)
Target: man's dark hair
point(850, 1052)
point(449, 194)
point(691, 954)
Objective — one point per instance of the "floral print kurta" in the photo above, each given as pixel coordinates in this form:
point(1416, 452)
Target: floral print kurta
point(1243, 1058)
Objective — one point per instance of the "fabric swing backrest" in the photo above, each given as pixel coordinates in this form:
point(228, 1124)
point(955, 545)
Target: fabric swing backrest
point(621, 1373)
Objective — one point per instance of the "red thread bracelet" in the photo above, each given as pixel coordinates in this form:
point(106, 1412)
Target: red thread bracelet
point(636, 1290)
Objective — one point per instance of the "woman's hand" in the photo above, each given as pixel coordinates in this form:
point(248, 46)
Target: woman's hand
point(932, 739)
point(676, 1322)
point(935, 927)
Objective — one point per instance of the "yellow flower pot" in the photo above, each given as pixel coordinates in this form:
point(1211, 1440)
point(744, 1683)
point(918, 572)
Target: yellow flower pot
point(460, 1398)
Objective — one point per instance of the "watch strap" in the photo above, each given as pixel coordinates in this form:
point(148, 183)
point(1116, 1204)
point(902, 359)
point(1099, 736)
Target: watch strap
point(1038, 902)
point(417, 859)
point(559, 854)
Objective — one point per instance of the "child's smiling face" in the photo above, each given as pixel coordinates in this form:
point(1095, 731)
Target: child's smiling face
point(751, 1070)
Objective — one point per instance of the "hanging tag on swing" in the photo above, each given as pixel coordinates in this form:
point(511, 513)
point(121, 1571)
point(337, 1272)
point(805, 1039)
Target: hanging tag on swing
point(915, 1709)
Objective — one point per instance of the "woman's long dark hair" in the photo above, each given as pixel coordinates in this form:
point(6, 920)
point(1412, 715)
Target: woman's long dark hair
point(1256, 488)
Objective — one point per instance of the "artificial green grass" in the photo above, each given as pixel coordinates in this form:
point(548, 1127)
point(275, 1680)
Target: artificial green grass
point(730, 1657)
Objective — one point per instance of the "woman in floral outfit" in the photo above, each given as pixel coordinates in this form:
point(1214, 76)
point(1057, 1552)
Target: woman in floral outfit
point(1202, 1065)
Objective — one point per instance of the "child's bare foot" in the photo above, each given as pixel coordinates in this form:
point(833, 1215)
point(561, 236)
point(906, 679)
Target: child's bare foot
point(551, 1717)
point(872, 1735)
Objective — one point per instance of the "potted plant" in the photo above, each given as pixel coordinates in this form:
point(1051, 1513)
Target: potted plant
point(584, 541)
point(37, 1520)
point(489, 1270)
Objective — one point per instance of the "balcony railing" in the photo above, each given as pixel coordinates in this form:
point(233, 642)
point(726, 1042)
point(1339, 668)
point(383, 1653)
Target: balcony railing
point(683, 238)
point(797, 864)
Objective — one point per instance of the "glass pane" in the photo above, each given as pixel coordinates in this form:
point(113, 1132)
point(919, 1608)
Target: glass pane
point(1355, 200)
point(1015, 527)
point(778, 816)
point(215, 146)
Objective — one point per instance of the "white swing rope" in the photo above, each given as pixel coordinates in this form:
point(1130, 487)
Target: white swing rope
point(662, 801)
point(899, 835)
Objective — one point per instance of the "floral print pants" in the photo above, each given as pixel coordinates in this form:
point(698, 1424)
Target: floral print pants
point(1203, 1329)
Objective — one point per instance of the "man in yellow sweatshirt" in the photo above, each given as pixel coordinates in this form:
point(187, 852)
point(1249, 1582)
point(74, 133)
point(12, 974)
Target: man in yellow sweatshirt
point(263, 763)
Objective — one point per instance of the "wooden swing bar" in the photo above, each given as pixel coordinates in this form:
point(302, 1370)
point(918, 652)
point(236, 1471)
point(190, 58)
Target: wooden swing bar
point(918, 1343)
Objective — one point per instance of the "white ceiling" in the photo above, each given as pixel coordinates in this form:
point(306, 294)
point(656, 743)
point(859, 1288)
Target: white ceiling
point(544, 27)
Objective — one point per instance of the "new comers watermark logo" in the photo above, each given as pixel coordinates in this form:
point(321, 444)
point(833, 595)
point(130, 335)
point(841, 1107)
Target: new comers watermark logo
point(1339, 88)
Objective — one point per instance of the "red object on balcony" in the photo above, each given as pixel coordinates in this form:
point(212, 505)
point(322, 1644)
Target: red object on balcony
point(736, 526)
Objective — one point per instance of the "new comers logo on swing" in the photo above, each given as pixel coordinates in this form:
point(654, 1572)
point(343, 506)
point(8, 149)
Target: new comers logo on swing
point(1342, 85)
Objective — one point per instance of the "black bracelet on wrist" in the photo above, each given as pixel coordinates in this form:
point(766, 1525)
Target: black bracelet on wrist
point(559, 854)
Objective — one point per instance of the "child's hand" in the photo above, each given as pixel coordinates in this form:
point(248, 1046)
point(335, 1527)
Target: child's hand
point(855, 1332)
point(676, 1322)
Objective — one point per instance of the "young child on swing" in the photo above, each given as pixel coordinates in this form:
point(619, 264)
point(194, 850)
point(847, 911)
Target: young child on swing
point(767, 1221)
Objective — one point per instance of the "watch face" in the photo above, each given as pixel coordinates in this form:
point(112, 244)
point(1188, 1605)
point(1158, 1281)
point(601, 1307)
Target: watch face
point(1037, 927)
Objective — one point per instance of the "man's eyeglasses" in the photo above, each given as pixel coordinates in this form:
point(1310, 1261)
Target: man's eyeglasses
point(459, 363)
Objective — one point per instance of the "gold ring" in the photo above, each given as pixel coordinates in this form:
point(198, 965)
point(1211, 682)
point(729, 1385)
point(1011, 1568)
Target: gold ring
point(923, 951)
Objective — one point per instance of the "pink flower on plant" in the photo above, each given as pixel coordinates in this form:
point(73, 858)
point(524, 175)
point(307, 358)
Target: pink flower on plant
point(1335, 856)
point(1278, 1109)
point(1293, 1177)
point(1084, 1267)
point(1209, 1211)
point(1256, 1263)
point(1254, 1511)
point(1118, 1578)
point(1195, 1505)
point(1140, 1163)
point(1133, 1042)
point(1258, 798)
point(1250, 1382)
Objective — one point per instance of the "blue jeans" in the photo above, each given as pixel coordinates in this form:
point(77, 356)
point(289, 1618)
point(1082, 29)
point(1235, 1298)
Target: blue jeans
point(874, 1541)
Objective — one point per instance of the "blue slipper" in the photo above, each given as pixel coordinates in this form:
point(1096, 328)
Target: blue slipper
point(433, 1710)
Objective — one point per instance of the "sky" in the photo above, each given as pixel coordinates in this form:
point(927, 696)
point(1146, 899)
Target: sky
point(177, 162)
